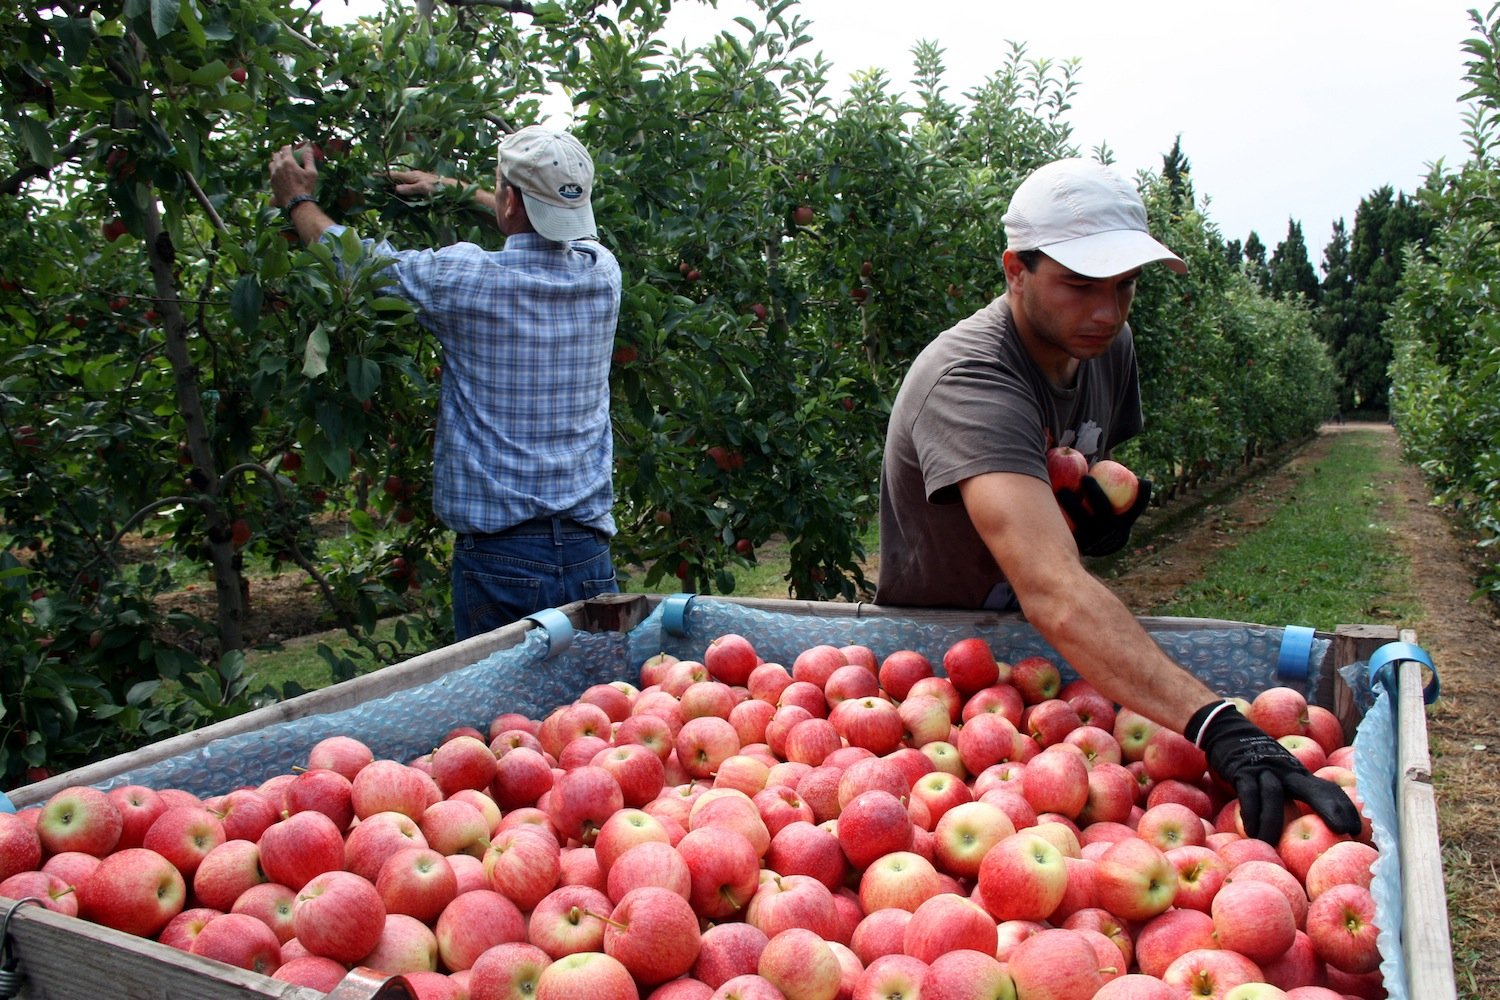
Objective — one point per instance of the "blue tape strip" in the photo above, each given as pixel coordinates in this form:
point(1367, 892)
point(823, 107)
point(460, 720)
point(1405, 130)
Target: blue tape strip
point(1382, 667)
point(674, 613)
point(6, 805)
point(1296, 651)
point(558, 628)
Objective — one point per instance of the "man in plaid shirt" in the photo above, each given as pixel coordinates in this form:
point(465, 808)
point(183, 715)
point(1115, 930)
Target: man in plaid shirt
point(522, 460)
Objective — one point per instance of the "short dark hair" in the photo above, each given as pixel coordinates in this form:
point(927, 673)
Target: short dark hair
point(1030, 258)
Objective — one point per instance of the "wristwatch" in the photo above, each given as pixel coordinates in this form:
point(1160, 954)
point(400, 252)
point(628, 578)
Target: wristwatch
point(300, 199)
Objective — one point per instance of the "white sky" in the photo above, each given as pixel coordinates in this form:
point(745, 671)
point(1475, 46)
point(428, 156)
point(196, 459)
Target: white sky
point(1286, 108)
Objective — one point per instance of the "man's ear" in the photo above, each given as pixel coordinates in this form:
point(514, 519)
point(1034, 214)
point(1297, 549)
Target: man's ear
point(1014, 268)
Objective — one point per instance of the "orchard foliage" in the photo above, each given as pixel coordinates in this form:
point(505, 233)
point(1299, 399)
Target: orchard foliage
point(173, 365)
point(1445, 327)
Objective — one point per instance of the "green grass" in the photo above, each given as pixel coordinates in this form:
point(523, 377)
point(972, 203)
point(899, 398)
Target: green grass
point(1328, 556)
point(298, 660)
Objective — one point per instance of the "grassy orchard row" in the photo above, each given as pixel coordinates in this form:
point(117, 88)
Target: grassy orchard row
point(846, 827)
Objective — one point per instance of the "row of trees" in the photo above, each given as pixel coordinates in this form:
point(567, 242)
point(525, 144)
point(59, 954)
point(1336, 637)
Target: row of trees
point(1445, 396)
point(174, 367)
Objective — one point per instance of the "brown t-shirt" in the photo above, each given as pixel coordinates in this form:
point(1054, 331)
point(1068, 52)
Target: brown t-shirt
point(974, 402)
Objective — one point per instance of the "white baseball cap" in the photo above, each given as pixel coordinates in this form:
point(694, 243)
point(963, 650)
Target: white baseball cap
point(555, 175)
point(1086, 217)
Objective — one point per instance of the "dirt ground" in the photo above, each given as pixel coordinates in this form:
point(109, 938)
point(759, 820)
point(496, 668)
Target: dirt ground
point(1461, 634)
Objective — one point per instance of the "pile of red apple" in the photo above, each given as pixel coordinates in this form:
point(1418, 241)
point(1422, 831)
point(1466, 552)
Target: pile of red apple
point(844, 827)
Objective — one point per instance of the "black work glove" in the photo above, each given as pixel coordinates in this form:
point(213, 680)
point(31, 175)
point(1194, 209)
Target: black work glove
point(1265, 774)
point(1097, 529)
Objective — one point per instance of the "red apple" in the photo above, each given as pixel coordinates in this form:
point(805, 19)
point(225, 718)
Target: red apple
point(523, 865)
point(569, 919)
point(1254, 919)
point(135, 890)
point(1211, 972)
point(1022, 877)
point(970, 665)
point(724, 870)
point(654, 933)
point(588, 975)
point(46, 888)
point(1118, 483)
point(272, 904)
point(871, 825)
point(338, 915)
point(947, 922)
point(79, 818)
point(582, 799)
point(453, 826)
point(139, 806)
point(507, 971)
point(302, 846)
point(1066, 468)
point(1057, 780)
point(1134, 880)
point(184, 835)
point(730, 658)
point(900, 670)
point(1341, 924)
point(800, 964)
point(649, 863)
point(1347, 862)
point(1055, 964)
point(418, 882)
point(391, 786)
point(728, 950)
point(1166, 937)
point(1037, 678)
point(784, 901)
point(240, 940)
point(966, 975)
point(472, 924)
point(343, 754)
point(20, 846)
point(816, 664)
point(368, 845)
point(1279, 711)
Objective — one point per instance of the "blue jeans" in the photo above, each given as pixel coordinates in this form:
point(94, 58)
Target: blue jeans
point(543, 563)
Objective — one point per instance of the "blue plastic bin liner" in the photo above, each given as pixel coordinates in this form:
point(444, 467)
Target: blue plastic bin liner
point(1235, 660)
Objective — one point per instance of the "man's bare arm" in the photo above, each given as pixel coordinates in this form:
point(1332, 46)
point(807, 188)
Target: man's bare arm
point(1020, 522)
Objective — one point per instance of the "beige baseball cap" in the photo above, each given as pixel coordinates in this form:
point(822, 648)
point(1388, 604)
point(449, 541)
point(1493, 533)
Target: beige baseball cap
point(555, 175)
point(1085, 216)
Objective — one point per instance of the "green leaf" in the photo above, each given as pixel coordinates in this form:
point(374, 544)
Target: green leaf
point(164, 15)
point(76, 35)
point(364, 377)
point(315, 355)
point(245, 303)
point(209, 73)
point(38, 142)
point(141, 692)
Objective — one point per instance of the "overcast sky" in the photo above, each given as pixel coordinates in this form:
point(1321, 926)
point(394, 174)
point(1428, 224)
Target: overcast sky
point(1288, 109)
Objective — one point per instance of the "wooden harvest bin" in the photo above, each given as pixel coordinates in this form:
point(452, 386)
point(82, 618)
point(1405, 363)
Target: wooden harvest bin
point(535, 664)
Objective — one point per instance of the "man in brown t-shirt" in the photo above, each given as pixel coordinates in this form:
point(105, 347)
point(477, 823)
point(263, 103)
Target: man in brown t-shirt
point(968, 518)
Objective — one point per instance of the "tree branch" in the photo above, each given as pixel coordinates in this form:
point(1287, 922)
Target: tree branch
point(512, 6)
point(12, 184)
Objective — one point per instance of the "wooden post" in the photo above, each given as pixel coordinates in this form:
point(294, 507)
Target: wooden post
point(1351, 644)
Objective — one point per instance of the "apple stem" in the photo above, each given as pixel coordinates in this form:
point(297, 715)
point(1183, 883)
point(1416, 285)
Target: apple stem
point(608, 920)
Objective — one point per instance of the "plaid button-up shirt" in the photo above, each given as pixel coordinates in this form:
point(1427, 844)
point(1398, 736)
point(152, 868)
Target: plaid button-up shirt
point(527, 333)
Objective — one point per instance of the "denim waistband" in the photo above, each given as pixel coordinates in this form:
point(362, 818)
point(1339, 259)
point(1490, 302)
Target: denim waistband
point(552, 525)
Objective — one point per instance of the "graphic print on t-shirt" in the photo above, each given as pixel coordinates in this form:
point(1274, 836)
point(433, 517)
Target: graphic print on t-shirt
point(1084, 439)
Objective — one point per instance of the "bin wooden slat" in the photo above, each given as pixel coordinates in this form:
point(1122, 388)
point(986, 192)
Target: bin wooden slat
point(1424, 930)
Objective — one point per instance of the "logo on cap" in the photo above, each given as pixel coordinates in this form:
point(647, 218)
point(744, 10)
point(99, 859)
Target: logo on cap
point(572, 192)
